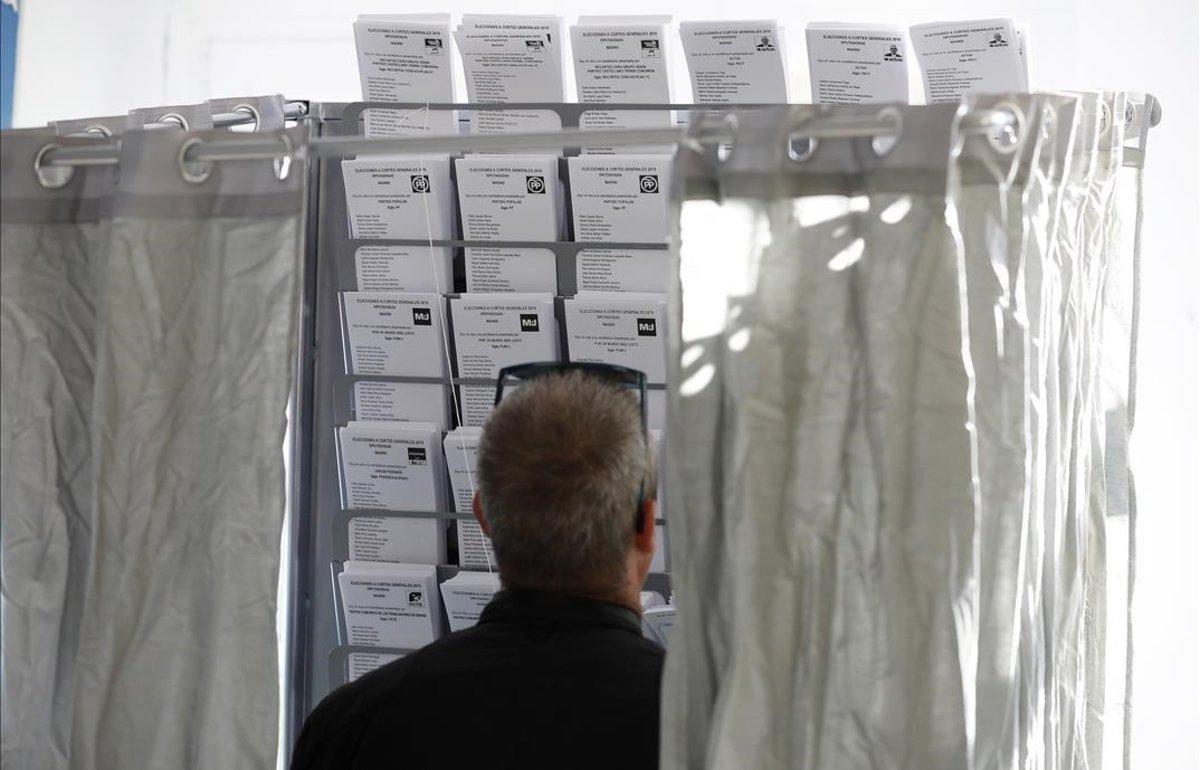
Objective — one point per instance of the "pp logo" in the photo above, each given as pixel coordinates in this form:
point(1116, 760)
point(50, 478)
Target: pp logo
point(416, 456)
point(529, 322)
point(893, 54)
point(434, 44)
point(416, 599)
point(650, 48)
point(535, 185)
point(647, 327)
point(648, 183)
point(420, 182)
point(422, 316)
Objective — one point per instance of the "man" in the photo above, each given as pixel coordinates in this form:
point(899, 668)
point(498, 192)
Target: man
point(556, 673)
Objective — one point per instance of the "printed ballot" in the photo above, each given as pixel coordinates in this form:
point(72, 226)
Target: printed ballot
point(857, 63)
point(465, 595)
point(658, 622)
point(461, 449)
point(388, 401)
point(393, 466)
point(405, 58)
point(622, 60)
point(512, 59)
point(390, 605)
point(391, 332)
point(620, 198)
point(360, 663)
point(735, 62)
point(492, 331)
point(962, 57)
point(509, 197)
point(403, 268)
point(618, 328)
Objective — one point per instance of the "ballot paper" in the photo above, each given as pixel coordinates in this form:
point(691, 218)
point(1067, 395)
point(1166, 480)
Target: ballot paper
point(513, 59)
point(393, 466)
point(399, 197)
point(964, 57)
point(621, 198)
point(618, 328)
point(492, 331)
point(461, 449)
point(659, 562)
point(735, 62)
point(857, 63)
point(465, 595)
point(406, 58)
point(404, 268)
point(658, 622)
point(362, 663)
point(388, 401)
point(391, 332)
point(509, 197)
point(622, 60)
point(390, 605)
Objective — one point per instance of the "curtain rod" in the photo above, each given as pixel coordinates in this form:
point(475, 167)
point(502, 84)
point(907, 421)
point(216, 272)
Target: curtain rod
point(270, 148)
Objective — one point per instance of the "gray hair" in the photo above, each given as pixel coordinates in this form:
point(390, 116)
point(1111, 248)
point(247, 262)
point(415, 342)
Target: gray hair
point(561, 462)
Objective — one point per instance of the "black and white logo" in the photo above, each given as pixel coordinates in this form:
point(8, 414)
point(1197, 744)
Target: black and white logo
point(998, 41)
point(434, 44)
point(535, 43)
point(647, 327)
point(416, 599)
point(416, 456)
point(535, 185)
point(529, 322)
point(648, 183)
point(893, 54)
point(422, 316)
point(650, 48)
point(420, 182)
point(764, 44)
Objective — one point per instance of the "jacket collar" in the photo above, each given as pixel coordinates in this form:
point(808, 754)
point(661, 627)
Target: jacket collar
point(523, 604)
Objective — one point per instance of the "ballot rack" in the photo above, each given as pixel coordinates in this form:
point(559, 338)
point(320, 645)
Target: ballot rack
point(320, 652)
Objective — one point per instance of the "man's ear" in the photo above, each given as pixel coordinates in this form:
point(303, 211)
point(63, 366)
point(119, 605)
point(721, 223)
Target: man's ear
point(477, 509)
point(644, 541)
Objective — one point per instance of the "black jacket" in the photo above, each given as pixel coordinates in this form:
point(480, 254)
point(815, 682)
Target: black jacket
point(543, 681)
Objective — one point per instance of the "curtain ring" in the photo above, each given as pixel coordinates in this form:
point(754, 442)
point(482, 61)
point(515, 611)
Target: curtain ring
point(193, 171)
point(1008, 139)
point(882, 144)
point(247, 109)
point(800, 148)
point(283, 164)
point(98, 130)
point(174, 117)
point(51, 177)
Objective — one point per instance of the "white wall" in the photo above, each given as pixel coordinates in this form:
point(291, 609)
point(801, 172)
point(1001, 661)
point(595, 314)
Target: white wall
point(81, 58)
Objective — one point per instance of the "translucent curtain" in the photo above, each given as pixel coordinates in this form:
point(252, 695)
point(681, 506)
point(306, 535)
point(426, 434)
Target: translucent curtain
point(889, 448)
point(149, 336)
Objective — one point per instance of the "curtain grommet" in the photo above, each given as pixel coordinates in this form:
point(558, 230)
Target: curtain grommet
point(193, 171)
point(800, 148)
point(283, 163)
point(173, 118)
point(51, 177)
point(247, 128)
point(1006, 140)
point(725, 149)
point(98, 130)
point(882, 144)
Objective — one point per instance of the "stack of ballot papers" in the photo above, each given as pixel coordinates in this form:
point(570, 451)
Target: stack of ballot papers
point(513, 59)
point(360, 663)
point(393, 332)
point(406, 58)
point(622, 60)
point(390, 605)
point(408, 197)
point(462, 449)
point(388, 401)
point(970, 57)
point(621, 198)
point(393, 466)
point(735, 62)
point(857, 63)
point(466, 594)
point(492, 331)
point(509, 198)
point(618, 328)
point(657, 623)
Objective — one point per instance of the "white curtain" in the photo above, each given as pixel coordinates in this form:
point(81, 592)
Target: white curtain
point(896, 437)
point(149, 332)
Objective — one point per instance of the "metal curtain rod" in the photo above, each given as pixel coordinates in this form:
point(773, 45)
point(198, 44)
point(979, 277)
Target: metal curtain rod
point(269, 148)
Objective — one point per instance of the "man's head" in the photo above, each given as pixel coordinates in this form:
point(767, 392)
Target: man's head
point(563, 462)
